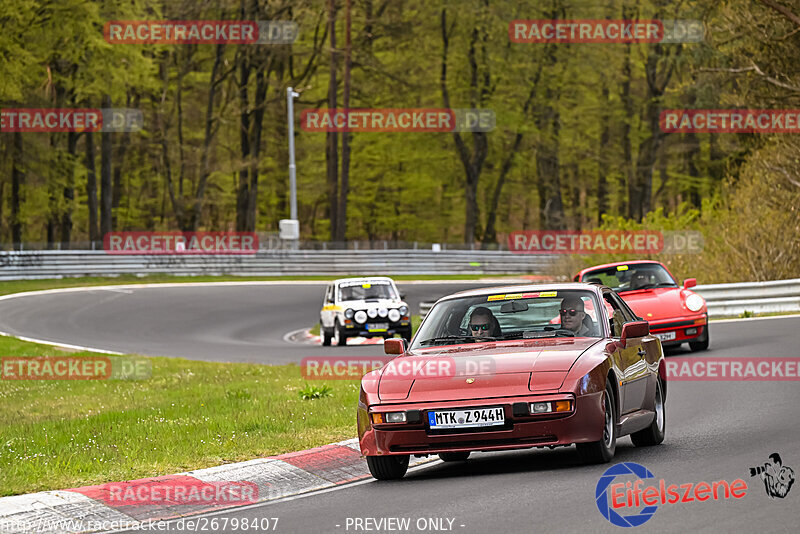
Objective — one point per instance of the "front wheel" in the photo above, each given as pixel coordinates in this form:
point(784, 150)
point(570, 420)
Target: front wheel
point(702, 342)
point(454, 456)
point(327, 335)
point(388, 467)
point(339, 338)
point(654, 434)
point(600, 452)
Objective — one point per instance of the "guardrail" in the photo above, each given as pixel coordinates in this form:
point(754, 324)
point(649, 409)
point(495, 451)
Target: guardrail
point(282, 262)
point(736, 299)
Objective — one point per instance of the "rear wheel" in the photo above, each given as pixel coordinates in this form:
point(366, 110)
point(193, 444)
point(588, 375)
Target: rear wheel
point(702, 342)
point(600, 452)
point(388, 467)
point(454, 456)
point(654, 434)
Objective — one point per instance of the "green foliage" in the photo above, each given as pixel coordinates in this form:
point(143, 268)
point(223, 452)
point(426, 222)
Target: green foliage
point(312, 392)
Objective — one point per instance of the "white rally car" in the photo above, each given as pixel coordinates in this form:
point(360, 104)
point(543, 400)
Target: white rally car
point(366, 307)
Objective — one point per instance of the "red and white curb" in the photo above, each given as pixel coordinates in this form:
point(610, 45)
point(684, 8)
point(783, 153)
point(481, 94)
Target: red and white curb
point(305, 337)
point(90, 508)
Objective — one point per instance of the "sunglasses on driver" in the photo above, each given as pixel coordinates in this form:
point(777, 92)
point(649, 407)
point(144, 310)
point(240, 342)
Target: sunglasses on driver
point(476, 327)
point(571, 313)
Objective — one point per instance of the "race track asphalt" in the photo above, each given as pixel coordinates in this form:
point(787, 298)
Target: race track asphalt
point(715, 430)
point(223, 322)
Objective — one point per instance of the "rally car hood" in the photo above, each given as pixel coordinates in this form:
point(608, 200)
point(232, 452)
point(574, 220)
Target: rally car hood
point(656, 304)
point(495, 369)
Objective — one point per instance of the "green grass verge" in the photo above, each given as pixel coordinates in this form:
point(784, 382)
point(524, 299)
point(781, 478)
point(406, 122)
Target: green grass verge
point(16, 286)
point(751, 315)
point(188, 415)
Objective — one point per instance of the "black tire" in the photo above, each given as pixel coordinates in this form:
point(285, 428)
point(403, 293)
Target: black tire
point(326, 336)
point(407, 336)
point(339, 336)
point(454, 456)
point(654, 434)
point(600, 452)
point(702, 342)
point(388, 467)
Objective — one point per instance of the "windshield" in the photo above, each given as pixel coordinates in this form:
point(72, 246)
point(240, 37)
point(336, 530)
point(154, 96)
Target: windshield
point(631, 277)
point(527, 315)
point(366, 291)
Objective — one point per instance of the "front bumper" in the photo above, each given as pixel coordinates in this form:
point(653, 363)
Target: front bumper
point(356, 329)
point(583, 424)
point(689, 328)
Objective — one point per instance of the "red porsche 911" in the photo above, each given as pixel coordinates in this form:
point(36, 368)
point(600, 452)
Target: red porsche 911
point(488, 370)
point(676, 314)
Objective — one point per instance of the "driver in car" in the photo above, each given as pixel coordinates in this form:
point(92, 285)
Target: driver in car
point(482, 323)
point(639, 280)
point(572, 316)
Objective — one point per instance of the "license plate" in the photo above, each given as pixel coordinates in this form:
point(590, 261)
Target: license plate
point(378, 327)
point(666, 336)
point(476, 417)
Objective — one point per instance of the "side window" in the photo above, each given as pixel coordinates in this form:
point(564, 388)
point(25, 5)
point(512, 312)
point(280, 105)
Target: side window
point(329, 294)
point(620, 314)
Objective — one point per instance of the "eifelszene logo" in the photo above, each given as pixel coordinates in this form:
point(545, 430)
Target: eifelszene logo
point(778, 478)
point(615, 498)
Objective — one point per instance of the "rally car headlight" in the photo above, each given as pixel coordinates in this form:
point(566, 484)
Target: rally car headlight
point(403, 310)
point(383, 312)
point(372, 313)
point(348, 313)
point(361, 316)
point(394, 315)
point(694, 302)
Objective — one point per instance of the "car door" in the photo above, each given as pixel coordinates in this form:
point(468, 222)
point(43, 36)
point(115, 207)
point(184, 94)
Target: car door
point(327, 313)
point(633, 383)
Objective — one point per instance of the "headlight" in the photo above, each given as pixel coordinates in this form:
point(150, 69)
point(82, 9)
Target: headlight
point(389, 417)
point(394, 315)
point(403, 310)
point(372, 313)
point(383, 312)
point(361, 316)
point(348, 313)
point(694, 302)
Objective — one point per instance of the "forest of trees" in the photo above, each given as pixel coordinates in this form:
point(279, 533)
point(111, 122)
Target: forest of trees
point(577, 143)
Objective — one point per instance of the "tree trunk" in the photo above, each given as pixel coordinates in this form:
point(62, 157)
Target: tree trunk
point(17, 194)
point(105, 177)
point(91, 187)
point(341, 213)
point(603, 167)
point(69, 191)
point(332, 145)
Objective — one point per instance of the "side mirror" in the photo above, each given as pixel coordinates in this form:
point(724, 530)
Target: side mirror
point(634, 329)
point(402, 296)
point(689, 282)
point(394, 345)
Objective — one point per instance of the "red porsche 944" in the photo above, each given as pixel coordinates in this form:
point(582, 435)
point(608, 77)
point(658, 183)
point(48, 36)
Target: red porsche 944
point(675, 313)
point(489, 370)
